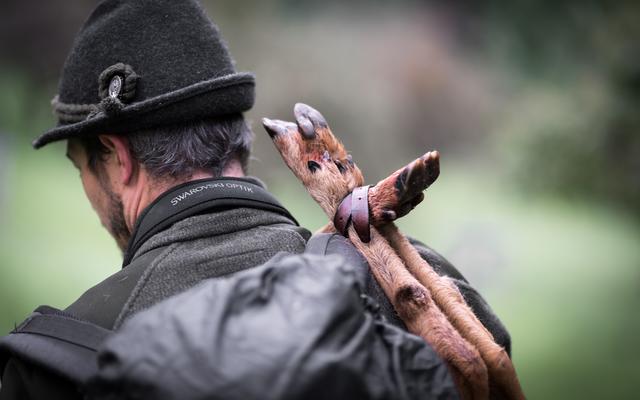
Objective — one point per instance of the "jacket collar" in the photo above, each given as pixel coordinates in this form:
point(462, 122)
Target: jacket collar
point(198, 197)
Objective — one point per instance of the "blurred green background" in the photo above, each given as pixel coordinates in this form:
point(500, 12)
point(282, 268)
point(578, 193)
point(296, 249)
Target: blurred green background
point(532, 104)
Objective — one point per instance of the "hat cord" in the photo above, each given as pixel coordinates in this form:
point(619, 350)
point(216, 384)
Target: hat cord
point(70, 113)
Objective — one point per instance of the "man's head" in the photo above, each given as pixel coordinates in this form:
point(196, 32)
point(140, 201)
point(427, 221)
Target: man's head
point(149, 97)
point(122, 174)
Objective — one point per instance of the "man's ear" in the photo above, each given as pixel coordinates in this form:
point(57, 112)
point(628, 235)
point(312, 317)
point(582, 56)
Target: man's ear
point(119, 147)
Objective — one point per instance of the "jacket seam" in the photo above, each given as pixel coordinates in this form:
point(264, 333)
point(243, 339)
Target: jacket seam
point(142, 282)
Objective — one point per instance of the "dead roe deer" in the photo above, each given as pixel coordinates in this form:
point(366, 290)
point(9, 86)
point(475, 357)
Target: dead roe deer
point(430, 305)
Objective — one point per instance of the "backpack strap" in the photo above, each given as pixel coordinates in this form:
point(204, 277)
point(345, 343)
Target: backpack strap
point(319, 243)
point(334, 243)
point(56, 341)
point(103, 303)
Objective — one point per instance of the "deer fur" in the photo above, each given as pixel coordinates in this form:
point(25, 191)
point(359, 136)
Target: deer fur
point(430, 305)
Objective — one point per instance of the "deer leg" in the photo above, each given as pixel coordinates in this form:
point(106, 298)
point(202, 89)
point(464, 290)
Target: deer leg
point(396, 195)
point(415, 306)
point(501, 370)
point(319, 160)
point(392, 198)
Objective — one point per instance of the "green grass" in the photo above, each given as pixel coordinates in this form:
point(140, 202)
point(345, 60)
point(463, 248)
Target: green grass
point(562, 276)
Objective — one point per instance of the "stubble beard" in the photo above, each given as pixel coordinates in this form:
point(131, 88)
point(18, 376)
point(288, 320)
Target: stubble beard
point(117, 225)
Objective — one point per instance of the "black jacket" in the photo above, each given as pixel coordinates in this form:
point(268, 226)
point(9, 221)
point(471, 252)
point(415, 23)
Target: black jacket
point(198, 244)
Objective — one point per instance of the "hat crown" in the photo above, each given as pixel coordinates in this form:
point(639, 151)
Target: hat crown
point(170, 44)
point(139, 64)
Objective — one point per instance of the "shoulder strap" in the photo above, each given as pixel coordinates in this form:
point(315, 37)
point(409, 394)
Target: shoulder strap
point(102, 303)
point(318, 243)
point(334, 243)
point(197, 197)
point(56, 341)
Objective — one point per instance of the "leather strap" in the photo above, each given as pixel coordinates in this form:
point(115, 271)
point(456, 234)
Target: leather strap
point(360, 212)
point(342, 219)
point(354, 208)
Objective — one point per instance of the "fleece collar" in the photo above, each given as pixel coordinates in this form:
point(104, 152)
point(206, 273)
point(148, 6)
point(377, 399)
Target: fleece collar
point(199, 197)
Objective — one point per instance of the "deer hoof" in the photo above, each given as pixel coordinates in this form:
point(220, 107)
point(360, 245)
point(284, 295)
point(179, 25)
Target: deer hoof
point(276, 127)
point(418, 176)
point(309, 120)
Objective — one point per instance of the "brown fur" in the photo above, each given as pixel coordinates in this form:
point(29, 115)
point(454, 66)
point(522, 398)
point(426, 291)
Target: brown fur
point(388, 202)
point(415, 306)
point(420, 296)
point(450, 300)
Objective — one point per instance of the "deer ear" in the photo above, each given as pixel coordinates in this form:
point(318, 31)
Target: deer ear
point(309, 120)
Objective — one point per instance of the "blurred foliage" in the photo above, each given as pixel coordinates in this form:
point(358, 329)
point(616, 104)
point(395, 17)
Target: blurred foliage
point(581, 61)
point(533, 105)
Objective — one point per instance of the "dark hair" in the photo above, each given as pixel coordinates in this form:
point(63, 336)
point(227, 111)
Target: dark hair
point(179, 150)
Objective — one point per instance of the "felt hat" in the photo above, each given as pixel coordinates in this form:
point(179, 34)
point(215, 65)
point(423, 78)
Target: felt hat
point(136, 64)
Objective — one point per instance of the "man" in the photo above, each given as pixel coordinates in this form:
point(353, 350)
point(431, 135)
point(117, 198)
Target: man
point(158, 71)
point(151, 107)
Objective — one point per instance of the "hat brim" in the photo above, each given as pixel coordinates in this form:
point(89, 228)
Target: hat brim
point(219, 96)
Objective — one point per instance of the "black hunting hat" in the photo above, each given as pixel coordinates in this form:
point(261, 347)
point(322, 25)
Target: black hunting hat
point(136, 64)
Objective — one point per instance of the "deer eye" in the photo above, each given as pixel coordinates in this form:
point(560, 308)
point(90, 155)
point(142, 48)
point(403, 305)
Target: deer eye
point(313, 166)
point(341, 167)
